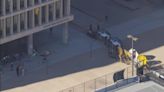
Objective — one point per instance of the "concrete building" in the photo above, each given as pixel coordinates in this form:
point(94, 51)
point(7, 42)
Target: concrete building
point(23, 18)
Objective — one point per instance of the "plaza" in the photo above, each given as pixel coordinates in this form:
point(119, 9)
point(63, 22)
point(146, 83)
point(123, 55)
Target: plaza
point(84, 59)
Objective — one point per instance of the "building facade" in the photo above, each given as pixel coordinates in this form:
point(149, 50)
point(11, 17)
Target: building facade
point(23, 18)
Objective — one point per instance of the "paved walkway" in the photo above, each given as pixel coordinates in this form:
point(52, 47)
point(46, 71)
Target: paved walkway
point(139, 25)
point(83, 59)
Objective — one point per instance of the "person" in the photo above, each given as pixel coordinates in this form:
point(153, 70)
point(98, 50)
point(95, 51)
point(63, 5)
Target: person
point(98, 27)
point(141, 66)
point(119, 52)
point(22, 71)
point(11, 66)
point(133, 54)
point(18, 70)
point(126, 56)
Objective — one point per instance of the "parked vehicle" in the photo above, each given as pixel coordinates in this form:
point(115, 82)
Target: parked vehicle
point(105, 35)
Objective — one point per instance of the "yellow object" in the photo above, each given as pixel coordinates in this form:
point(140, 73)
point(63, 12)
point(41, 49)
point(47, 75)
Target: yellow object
point(127, 54)
point(120, 51)
point(142, 60)
point(36, 10)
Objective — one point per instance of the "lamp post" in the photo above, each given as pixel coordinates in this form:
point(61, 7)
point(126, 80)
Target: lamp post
point(132, 44)
point(45, 56)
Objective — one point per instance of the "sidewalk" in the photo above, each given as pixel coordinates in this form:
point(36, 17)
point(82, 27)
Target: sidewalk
point(75, 70)
point(83, 58)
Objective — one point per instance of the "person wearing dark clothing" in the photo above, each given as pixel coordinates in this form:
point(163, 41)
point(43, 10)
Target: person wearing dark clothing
point(17, 70)
point(12, 66)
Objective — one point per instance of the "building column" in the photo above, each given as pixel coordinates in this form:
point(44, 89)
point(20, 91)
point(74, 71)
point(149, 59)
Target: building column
point(40, 16)
point(26, 21)
point(54, 11)
point(18, 4)
point(4, 8)
point(33, 15)
point(40, 13)
point(61, 8)
point(11, 6)
point(25, 3)
point(65, 33)
point(68, 10)
point(4, 28)
point(11, 26)
point(47, 14)
point(30, 44)
point(18, 25)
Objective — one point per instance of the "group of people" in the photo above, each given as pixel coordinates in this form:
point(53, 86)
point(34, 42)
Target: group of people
point(130, 55)
point(140, 61)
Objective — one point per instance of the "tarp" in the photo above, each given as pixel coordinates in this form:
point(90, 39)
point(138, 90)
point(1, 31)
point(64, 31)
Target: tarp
point(118, 75)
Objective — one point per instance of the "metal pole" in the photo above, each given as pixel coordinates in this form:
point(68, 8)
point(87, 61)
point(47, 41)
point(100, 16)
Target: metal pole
point(91, 49)
point(132, 60)
point(46, 66)
point(106, 82)
point(84, 86)
point(95, 85)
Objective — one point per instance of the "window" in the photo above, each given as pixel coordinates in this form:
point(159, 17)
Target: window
point(1, 28)
point(8, 26)
point(22, 21)
point(36, 13)
point(44, 0)
point(29, 19)
point(22, 4)
point(57, 9)
point(51, 11)
point(15, 24)
point(36, 1)
point(7, 3)
point(14, 5)
point(43, 14)
point(29, 3)
point(64, 7)
point(1, 7)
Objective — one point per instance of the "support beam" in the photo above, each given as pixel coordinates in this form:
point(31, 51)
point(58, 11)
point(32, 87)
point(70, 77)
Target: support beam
point(68, 7)
point(4, 28)
point(40, 16)
point(47, 14)
point(18, 25)
point(33, 19)
point(18, 4)
point(54, 11)
point(30, 44)
point(4, 7)
point(65, 33)
point(25, 3)
point(26, 25)
point(11, 26)
point(61, 8)
point(11, 6)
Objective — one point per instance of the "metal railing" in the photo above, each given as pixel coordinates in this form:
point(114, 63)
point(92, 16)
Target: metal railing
point(101, 84)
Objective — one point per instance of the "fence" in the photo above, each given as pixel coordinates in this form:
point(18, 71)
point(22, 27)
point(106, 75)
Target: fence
point(101, 84)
